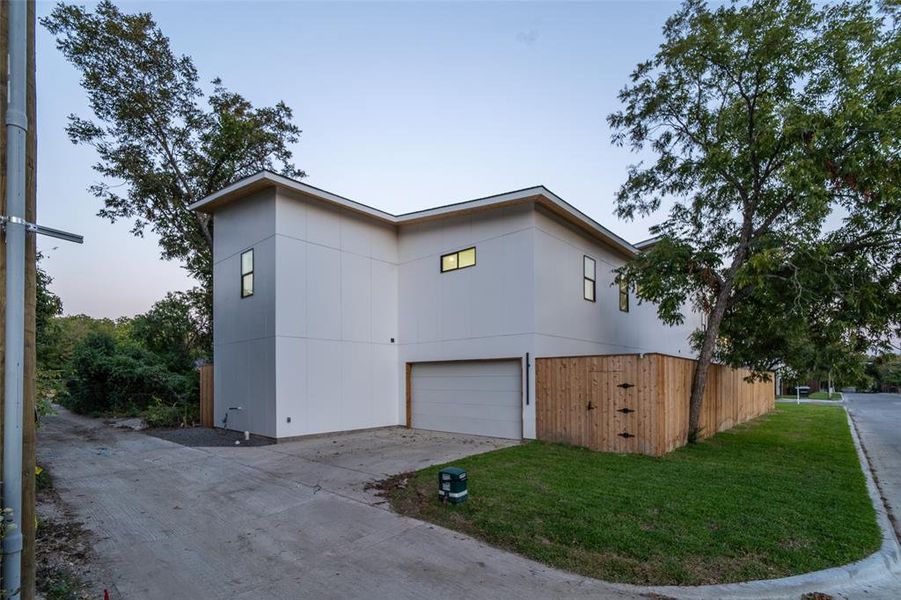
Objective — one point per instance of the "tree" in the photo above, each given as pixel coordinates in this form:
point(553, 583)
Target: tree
point(152, 133)
point(172, 329)
point(885, 372)
point(111, 375)
point(764, 118)
point(47, 306)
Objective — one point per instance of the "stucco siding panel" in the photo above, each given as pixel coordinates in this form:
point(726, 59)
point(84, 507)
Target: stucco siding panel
point(242, 224)
point(356, 298)
point(357, 396)
point(356, 235)
point(323, 386)
point(292, 357)
point(384, 302)
point(292, 288)
point(323, 225)
point(244, 378)
point(337, 307)
point(500, 301)
point(244, 328)
point(494, 297)
point(323, 271)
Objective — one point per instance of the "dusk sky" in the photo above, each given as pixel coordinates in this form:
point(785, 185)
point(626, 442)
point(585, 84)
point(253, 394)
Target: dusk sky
point(403, 106)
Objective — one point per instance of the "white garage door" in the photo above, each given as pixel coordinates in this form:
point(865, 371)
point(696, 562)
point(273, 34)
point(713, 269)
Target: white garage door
point(479, 398)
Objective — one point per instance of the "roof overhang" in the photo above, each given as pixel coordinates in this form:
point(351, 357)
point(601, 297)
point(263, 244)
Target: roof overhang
point(540, 195)
point(648, 243)
point(267, 179)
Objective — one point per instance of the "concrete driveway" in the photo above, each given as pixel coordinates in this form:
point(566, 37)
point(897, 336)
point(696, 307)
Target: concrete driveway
point(288, 521)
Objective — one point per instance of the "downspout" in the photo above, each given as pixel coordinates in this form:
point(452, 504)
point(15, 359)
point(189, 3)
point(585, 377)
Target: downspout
point(14, 373)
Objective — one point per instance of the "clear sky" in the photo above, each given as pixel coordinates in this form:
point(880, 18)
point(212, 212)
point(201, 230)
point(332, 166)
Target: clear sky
point(403, 106)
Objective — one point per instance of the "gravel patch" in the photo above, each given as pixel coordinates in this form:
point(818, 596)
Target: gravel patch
point(133, 423)
point(200, 437)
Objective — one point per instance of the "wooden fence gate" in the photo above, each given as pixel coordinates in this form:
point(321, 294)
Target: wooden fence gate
point(206, 395)
point(638, 403)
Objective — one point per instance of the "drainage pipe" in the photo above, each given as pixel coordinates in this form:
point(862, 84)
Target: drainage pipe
point(14, 372)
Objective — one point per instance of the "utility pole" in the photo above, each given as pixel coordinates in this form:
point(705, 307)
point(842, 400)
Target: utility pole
point(16, 122)
point(18, 191)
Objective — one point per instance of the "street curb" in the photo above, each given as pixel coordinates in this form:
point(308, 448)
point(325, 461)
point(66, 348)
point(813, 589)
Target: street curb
point(879, 567)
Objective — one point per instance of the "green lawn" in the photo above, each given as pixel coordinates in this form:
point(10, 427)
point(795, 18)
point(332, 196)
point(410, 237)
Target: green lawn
point(825, 396)
point(815, 396)
point(781, 495)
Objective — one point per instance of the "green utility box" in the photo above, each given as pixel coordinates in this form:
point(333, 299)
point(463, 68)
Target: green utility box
point(452, 485)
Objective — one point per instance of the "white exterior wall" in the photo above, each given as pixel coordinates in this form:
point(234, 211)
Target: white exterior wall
point(332, 288)
point(485, 311)
point(244, 328)
point(336, 306)
point(568, 325)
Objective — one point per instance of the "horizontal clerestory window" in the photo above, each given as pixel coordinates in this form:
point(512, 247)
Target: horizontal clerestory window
point(458, 260)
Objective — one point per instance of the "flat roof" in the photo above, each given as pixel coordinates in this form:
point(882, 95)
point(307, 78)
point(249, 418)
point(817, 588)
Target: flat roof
point(538, 194)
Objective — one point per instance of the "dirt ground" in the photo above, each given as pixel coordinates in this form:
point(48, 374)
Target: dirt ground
point(63, 548)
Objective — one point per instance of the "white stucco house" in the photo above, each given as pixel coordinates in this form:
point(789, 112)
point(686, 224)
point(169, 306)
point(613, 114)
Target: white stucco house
point(330, 315)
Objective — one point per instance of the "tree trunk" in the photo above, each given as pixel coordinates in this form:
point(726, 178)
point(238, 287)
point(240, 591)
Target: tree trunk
point(203, 222)
point(699, 380)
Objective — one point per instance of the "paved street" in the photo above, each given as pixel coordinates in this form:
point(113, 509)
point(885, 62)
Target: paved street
point(878, 418)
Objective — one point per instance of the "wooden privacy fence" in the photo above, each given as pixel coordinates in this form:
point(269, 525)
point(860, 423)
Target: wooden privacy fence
point(638, 403)
point(206, 395)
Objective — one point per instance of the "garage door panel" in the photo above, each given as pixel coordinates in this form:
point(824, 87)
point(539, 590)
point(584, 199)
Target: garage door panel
point(478, 398)
point(477, 383)
point(504, 368)
point(490, 398)
point(474, 411)
point(487, 427)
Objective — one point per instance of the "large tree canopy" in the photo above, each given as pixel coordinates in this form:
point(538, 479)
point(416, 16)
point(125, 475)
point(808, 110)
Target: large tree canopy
point(767, 120)
point(155, 131)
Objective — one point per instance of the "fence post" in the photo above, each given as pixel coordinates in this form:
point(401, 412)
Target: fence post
point(206, 395)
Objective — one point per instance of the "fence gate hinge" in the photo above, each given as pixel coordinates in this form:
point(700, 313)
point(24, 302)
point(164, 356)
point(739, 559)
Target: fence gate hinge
point(626, 435)
point(626, 386)
point(626, 411)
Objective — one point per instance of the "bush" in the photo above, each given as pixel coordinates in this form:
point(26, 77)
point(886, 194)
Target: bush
point(112, 375)
point(160, 414)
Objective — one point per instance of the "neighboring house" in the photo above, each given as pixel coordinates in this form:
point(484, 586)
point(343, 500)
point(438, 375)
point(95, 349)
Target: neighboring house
point(330, 315)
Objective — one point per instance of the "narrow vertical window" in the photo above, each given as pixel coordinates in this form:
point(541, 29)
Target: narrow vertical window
point(623, 295)
point(247, 273)
point(589, 278)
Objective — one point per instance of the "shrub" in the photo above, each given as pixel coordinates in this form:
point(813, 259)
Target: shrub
point(110, 375)
point(180, 414)
point(160, 414)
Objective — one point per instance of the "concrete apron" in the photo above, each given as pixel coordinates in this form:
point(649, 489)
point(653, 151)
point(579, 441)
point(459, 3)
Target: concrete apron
point(881, 567)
